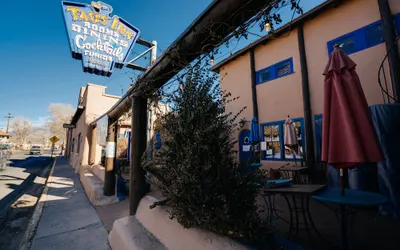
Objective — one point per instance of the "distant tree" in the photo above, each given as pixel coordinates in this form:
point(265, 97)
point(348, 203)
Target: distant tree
point(21, 130)
point(60, 113)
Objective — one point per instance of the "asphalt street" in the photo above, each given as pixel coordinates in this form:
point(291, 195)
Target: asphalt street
point(21, 184)
point(18, 174)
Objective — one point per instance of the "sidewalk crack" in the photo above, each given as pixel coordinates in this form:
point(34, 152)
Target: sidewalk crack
point(84, 227)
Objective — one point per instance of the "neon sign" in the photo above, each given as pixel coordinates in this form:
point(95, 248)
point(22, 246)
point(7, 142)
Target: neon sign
point(102, 42)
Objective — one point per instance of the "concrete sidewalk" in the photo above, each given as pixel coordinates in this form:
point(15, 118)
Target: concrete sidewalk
point(68, 220)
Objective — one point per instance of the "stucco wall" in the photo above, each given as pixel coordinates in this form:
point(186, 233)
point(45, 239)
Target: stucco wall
point(236, 79)
point(394, 6)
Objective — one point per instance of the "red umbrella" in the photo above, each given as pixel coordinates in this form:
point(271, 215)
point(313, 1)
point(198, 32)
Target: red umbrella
point(348, 135)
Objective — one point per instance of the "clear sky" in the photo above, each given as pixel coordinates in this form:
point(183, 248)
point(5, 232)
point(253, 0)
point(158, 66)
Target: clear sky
point(37, 68)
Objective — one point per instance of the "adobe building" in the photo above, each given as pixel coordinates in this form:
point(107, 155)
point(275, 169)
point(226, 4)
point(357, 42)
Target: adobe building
point(93, 102)
point(281, 74)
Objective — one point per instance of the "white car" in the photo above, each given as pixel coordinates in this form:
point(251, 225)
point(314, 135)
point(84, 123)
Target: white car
point(35, 150)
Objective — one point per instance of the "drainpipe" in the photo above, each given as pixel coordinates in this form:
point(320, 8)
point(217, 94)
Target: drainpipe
point(109, 175)
point(308, 127)
point(254, 99)
point(389, 35)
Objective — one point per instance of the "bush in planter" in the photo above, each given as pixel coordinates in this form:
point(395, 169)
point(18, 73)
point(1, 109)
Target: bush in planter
point(197, 170)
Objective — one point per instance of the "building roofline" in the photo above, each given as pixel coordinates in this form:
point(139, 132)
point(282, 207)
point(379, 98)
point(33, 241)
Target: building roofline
point(287, 27)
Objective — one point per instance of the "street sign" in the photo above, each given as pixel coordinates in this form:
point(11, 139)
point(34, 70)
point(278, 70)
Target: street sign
point(54, 139)
point(65, 125)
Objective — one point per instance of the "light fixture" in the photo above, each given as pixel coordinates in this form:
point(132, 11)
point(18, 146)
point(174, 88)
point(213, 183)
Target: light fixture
point(267, 27)
point(181, 85)
point(242, 122)
point(212, 60)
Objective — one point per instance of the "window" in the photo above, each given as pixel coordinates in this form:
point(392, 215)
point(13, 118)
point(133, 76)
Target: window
point(79, 143)
point(264, 76)
point(374, 35)
point(358, 40)
point(295, 150)
point(348, 44)
point(284, 68)
point(273, 135)
point(275, 71)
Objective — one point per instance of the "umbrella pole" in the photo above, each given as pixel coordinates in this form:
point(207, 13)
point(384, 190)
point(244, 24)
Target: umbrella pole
point(294, 157)
point(341, 182)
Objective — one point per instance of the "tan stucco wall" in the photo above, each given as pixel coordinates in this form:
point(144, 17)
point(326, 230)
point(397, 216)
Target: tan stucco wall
point(236, 79)
point(394, 6)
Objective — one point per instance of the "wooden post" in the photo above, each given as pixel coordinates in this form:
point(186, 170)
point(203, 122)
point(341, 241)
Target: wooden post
point(109, 177)
point(137, 185)
point(67, 142)
point(93, 146)
point(389, 35)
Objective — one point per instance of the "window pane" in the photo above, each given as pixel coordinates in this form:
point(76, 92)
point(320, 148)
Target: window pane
point(271, 136)
point(348, 44)
point(264, 75)
point(374, 35)
point(283, 69)
point(295, 150)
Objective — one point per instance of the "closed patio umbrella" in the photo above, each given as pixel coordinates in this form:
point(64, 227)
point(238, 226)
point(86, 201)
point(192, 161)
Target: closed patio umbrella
point(348, 136)
point(290, 137)
point(254, 132)
point(158, 143)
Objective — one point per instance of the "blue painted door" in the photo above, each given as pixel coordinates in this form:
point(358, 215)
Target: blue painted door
point(244, 141)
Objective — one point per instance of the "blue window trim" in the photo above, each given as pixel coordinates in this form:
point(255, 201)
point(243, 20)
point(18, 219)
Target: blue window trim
point(280, 124)
point(273, 71)
point(359, 37)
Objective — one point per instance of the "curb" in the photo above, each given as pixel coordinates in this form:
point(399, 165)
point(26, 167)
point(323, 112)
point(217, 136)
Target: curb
point(27, 240)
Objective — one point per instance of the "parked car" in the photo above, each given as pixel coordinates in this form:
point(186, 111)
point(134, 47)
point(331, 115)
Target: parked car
point(35, 150)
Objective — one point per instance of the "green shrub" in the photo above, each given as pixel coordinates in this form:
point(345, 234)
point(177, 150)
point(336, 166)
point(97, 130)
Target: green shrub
point(197, 169)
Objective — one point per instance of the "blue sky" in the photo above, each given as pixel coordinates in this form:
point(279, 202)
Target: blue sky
point(37, 68)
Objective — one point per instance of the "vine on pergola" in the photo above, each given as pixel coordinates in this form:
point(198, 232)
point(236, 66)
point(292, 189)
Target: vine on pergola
point(268, 15)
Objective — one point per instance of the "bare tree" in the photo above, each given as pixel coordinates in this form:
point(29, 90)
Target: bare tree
point(60, 113)
point(22, 128)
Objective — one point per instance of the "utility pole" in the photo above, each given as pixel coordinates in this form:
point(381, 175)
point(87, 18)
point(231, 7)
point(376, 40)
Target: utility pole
point(8, 121)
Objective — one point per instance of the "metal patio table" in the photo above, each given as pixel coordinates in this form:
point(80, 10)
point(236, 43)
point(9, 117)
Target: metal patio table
point(297, 197)
point(347, 207)
point(293, 172)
